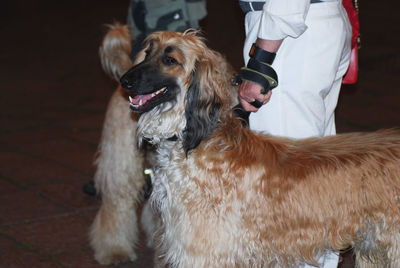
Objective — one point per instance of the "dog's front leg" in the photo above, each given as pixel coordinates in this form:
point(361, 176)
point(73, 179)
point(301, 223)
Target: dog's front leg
point(119, 179)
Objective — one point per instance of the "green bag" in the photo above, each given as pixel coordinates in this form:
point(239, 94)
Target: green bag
point(147, 16)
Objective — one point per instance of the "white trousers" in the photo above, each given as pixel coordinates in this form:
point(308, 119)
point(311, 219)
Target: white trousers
point(310, 70)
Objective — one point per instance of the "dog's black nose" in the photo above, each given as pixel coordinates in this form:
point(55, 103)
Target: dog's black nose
point(125, 82)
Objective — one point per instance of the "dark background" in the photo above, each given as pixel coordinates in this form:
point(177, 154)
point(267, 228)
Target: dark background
point(53, 96)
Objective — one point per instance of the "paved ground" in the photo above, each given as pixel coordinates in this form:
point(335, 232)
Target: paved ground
point(53, 97)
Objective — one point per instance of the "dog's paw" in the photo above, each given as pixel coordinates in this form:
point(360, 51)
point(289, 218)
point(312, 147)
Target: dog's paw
point(115, 257)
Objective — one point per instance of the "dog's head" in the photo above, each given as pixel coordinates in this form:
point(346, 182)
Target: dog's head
point(180, 87)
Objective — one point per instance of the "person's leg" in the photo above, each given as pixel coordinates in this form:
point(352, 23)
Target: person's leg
point(333, 95)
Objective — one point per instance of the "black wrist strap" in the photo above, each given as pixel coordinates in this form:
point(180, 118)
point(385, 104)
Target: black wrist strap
point(264, 69)
point(261, 55)
point(258, 70)
point(250, 75)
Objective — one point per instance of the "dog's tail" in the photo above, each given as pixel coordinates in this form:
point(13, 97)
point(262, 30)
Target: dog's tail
point(115, 51)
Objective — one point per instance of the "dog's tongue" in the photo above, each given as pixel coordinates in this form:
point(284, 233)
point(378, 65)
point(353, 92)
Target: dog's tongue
point(140, 99)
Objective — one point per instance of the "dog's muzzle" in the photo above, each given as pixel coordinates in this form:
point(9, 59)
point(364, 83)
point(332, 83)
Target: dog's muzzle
point(147, 87)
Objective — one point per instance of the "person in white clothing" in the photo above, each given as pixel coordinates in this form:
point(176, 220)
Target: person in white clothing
point(304, 48)
point(312, 46)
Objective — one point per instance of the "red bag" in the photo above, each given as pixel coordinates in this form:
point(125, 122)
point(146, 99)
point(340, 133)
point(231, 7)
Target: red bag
point(352, 11)
point(352, 73)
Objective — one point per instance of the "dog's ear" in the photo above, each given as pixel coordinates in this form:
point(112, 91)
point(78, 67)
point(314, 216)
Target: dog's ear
point(203, 104)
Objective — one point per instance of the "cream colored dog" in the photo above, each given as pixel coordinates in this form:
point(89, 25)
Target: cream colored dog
point(119, 176)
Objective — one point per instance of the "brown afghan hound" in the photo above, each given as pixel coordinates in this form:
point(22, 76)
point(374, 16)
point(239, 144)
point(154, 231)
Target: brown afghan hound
point(229, 197)
point(119, 175)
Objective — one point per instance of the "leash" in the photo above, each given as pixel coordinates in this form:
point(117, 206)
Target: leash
point(238, 110)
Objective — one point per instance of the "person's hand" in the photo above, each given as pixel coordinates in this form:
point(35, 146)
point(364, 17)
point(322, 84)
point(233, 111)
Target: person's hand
point(250, 91)
point(259, 70)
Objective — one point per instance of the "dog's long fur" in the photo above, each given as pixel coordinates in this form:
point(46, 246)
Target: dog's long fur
point(119, 175)
point(229, 197)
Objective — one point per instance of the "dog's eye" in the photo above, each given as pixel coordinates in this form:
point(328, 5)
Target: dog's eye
point(150, 47)
point(167, 60)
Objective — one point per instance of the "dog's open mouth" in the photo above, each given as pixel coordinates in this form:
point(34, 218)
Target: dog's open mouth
point(144, 103)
